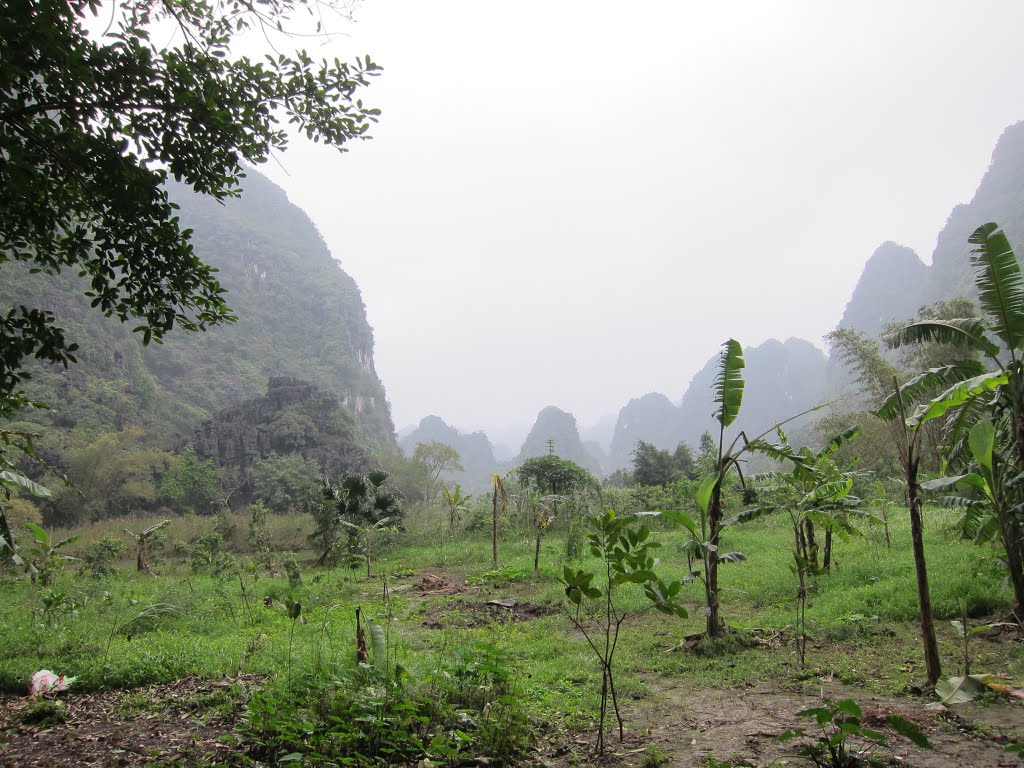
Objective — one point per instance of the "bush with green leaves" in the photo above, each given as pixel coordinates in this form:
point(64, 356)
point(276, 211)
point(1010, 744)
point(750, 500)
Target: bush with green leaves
point(837, 722)
point(191, 484)
point(376, 714)
point(207, 556)
point(100, 557)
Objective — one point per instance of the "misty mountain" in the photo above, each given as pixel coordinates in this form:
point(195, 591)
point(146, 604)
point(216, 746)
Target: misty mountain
point(651, 418)
point(600, 432)
point(554, 424)
point(782, 379)
point(475, 450)
point(896, 282)
point(299, 315)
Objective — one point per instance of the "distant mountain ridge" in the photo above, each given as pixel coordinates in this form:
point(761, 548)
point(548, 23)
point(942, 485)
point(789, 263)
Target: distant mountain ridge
point(475, 450)
point(896, 283)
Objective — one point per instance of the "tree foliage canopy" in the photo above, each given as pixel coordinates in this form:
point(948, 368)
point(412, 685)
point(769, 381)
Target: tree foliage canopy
point(653, 466)
point(92, 125)
point(552, 474)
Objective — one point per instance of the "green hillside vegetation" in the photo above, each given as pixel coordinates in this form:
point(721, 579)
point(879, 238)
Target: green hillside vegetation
point(299, 315)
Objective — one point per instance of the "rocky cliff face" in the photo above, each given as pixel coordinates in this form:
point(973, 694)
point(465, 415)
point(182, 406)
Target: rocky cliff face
point(782, 379)
point(294, 416)
point(894, 284)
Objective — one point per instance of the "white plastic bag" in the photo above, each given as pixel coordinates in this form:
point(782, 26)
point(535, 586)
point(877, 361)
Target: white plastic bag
point(45, 681)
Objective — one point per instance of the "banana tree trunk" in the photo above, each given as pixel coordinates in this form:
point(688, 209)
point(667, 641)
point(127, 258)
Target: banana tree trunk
point(714, 628)
point(494, 527)
point(931, 647)
point(1013, 536)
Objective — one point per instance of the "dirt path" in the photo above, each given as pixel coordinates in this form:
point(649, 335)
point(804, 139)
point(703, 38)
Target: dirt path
point(679, 726)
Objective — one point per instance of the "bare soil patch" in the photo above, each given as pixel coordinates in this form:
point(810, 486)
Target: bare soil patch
point(158, 725)
point(432, 584)
point(686, 727)
point(467, 614)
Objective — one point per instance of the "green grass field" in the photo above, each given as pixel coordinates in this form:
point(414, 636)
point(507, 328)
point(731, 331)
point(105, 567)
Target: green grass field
point(128, 629)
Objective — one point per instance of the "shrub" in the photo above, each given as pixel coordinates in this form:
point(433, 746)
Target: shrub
point(100, 557)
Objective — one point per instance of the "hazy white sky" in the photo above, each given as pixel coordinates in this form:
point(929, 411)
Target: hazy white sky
point(575, 203)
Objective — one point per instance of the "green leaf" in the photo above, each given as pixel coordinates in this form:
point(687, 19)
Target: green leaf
point(849, 707)
point(999, 282)
point(732, 557)
point(682, 519)
point(957, 395)
point(969, 333)
point(910, 730)
point(981, 439)
point(941, 483)
point(15, 479)
point(837, 442)
point(924, 384)
point(830, 492)
point(728, 385)
point(707, 487)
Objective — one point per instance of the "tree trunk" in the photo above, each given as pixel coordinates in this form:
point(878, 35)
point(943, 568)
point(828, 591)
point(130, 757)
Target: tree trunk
point(1011, 533)
point(812, 545)
point(931, 647)
point(536, 551)
point(1013, 539)
point(141, 561)
point(494, 528)
point(714, 628)
point(826, 560)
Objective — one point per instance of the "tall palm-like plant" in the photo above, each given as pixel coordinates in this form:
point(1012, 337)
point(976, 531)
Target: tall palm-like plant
point(365, 505)
point(897, 409)
point(705, 536)
point(999, 338)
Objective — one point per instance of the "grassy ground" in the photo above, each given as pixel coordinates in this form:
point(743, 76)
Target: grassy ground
point(127, 630)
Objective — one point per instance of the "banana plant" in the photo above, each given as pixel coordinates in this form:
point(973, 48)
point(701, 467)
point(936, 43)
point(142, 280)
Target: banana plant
point(905, 408)
point(13, 481)
point(142, 540)
point(367, 535)
point(704, 534)
point(986, 492)
point(499, 488)
point(44, 559)
point(458, 503)
point(814, 491)
point(980, 395)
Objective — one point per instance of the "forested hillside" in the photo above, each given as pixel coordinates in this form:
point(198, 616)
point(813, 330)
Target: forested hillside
point(299, 314)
